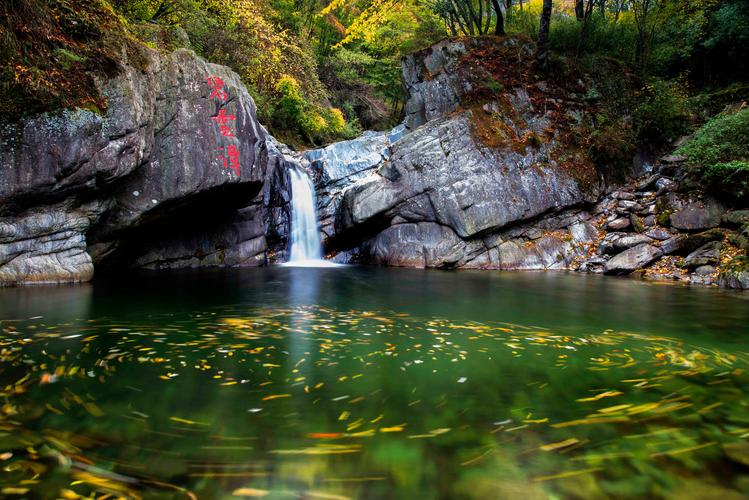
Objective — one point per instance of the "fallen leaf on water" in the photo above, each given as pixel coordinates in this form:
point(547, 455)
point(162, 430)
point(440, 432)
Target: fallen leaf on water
point(595, 420)
point(249, 492)
point(276, 396)
point(185, 421)
point(324, 496)
point(14, 491)
point(613, 409)
point(560, 444)
point(395, 428)
point(606, 394)
point(324, 435)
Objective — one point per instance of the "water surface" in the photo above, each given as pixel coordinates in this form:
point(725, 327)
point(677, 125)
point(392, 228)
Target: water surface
point(374, 383)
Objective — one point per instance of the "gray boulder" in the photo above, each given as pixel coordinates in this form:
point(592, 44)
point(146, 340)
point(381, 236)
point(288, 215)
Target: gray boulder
point(619, 224)
point(440, 174)
point(697, 216)
point(658, 233)
point(630, 241)
point(707, 254)
point(630, 260)
point(734, 278)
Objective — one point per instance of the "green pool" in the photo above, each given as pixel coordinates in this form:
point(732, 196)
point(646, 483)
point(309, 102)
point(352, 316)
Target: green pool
point(373, 383)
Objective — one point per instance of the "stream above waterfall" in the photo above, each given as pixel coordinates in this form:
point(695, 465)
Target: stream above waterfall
point(367, 382)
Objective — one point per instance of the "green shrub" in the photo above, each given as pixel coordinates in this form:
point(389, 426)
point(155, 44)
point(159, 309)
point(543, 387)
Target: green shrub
point(335, 121)
point(292, 111)
point(724, 138)
point(663, 114)
point(720, 152)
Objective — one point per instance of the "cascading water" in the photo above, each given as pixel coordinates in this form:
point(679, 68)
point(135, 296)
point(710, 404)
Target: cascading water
point(306, 248)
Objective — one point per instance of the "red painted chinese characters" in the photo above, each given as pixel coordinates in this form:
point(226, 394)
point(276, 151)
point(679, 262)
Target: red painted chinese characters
point(231, 156)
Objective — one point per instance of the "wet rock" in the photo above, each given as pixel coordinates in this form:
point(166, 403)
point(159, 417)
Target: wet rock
point(440, 174)
point(419, 245)
point(707, 254)
point(627, 206)
point(632, 259)
point(735, 276)
point(674, 244)
point(341, 164)
point(697, 216)
point(606, 246)
point(683, 244)
point(593, 265)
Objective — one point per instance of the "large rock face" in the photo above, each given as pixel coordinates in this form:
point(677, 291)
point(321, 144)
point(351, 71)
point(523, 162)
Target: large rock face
point(467, 185)
point(143, 185)
point(341, 164)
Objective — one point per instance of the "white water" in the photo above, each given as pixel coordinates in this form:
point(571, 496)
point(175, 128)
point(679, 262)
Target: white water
point(306, 248)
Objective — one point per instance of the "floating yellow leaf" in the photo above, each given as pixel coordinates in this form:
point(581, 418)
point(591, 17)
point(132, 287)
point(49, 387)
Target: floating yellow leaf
point(185, 421)
point(249, 492)
point(395, 428)
point(607, 394)
point(613, 409)
point(595, 420)
point(561, 444)
point(276, 396)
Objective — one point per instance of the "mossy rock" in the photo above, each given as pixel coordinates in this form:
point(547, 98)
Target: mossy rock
point(736, 218)
point(735, 274)
point(637, 223)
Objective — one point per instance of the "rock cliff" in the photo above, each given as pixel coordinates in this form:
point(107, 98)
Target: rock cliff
point(486, 172)
point(473, 175)
point(143, 184)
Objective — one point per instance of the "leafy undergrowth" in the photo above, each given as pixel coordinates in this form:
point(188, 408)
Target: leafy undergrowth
point(719, 151)
point(52, 52)
point(590, 132)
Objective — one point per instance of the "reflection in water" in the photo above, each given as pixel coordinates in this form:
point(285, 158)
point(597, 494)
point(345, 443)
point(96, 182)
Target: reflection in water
point(371, 383)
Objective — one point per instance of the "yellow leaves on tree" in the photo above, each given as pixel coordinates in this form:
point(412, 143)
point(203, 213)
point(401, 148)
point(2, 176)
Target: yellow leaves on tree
point(374, 15)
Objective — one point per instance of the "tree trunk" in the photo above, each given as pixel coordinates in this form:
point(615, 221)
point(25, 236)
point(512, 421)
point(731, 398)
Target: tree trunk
point(500, 28)
point(579, 9)
point(542, 47)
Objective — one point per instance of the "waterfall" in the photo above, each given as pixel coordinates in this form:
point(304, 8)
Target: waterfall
point(306, 248)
